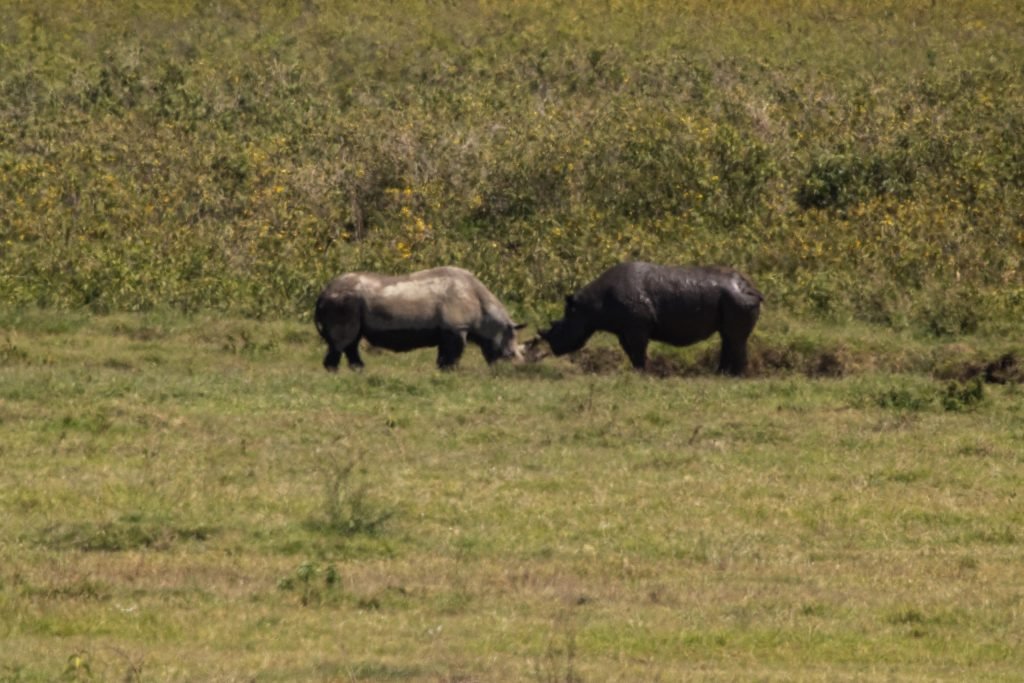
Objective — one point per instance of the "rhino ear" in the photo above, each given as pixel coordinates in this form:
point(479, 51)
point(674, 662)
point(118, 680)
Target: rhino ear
point(568, 300)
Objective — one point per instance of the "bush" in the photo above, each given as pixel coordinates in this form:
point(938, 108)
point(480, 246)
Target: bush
point(210, 158)
point(960, 396)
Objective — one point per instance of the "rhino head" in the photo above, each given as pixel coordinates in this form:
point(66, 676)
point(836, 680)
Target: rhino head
point(571, 332)
point(501, 343)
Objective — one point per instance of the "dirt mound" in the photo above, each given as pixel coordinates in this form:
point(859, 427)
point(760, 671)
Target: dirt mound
point(763, 362)
point(606, 361)
point(1006, 369)
point(663, 366)
point(599, 361)
point(787, 359)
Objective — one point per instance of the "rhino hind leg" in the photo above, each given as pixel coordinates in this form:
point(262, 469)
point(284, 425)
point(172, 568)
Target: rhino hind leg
point(343, 338)
point(449, 350)
point(352, 356)
point(338, 321)
point(733, 358)
point(739, 318)
point(332, 359)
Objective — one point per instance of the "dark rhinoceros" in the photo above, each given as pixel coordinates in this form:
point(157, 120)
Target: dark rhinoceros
point(641, 301)
point(442, 307)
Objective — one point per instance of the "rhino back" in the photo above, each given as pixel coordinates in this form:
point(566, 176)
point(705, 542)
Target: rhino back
point(679, 304)
point(691, 287)
point(627, 289)
point(439, 298)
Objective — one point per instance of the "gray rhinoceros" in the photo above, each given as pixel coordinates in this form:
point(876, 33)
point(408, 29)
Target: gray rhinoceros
point(640, 301)
point(442, 307)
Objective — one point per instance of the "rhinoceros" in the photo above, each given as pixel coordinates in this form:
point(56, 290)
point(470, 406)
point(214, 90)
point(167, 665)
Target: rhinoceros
point(442, 307)
point(640, 301)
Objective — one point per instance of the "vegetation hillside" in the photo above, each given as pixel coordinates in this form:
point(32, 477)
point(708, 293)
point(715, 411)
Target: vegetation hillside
point(860, 160)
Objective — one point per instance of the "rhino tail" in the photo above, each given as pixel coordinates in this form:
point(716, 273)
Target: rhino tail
point(338, 319)
point(746, 293)
point(318, 315)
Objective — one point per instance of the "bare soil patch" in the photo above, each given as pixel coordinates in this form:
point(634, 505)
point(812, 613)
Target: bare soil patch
point(770, 361)
point(1006, 369)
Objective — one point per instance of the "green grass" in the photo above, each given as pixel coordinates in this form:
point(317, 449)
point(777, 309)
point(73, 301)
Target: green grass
point(194, 498)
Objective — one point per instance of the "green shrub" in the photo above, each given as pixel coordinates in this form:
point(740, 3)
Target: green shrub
point(959, 396)
point(905, 399)
point(199, 157)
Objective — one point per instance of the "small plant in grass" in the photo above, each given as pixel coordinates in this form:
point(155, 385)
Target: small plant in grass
point(133, 668)
point(11, 674)
point(904, 399)
point(11, 353)
point(244, 344)
point(960, 396)
point(77, 668)
point(957, 396)
point(312, 583)
point(347, 507)
point(558, 665)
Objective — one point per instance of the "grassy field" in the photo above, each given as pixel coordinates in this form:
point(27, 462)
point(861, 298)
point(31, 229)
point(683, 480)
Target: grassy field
point(193, 498)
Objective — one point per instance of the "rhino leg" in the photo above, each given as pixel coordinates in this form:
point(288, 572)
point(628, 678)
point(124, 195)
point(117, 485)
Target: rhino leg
point(634, 343)
point(343, 337)
point(733, 358)
point(338, 321)
point(739, 320)
point(352, 356)
point(449, 349)
point(331, 359)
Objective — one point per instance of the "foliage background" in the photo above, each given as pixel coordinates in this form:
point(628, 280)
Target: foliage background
point(859, 160)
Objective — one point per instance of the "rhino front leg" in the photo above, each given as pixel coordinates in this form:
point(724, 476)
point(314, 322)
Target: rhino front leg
point(634, 343)
point(449, 349)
